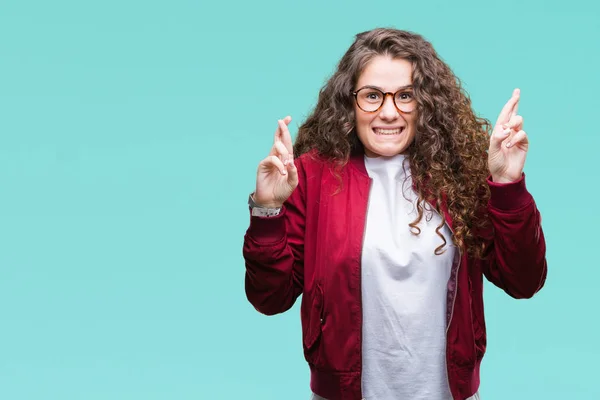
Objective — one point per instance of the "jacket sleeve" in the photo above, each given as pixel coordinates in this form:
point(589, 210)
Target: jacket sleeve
point(516, 259)
point(273, 251)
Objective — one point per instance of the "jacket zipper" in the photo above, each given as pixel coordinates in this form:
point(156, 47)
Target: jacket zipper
point(360, 277)
point(452, 311)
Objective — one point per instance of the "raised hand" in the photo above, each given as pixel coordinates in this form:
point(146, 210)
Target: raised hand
point(277, 176)
point(508, 143)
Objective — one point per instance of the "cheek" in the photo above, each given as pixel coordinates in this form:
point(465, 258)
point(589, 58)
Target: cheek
point(413, 130)
point(412, 123)
point(363, 121)
point(412, 119)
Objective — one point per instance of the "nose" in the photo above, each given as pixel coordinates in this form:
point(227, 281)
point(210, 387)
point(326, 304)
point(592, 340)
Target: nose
point(388, 110)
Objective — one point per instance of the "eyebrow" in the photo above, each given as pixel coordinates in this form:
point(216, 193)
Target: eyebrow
point(378, 88)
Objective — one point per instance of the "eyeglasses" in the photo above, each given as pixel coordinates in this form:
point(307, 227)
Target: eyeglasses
point(370, 99)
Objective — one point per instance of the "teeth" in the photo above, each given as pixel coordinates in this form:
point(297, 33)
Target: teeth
point(388, 131)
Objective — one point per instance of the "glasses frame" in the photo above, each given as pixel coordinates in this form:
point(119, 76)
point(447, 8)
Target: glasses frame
point(385, 94)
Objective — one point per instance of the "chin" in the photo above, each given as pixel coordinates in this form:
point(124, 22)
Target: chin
point(386, 151)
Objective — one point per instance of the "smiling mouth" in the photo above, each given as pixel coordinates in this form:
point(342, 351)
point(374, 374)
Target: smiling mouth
point(388, 132)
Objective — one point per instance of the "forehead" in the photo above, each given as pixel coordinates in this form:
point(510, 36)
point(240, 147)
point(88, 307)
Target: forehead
point(386, 73)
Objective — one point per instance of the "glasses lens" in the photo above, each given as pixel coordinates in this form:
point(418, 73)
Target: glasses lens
point(405, 101)
point(369, 99)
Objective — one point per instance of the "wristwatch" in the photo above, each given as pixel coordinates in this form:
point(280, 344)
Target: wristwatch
point(260, 211)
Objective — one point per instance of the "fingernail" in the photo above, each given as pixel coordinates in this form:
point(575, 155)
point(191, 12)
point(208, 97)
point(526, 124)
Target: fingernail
point(508, 144)
point(286, 162)
point(505, 132)
point(283, 172)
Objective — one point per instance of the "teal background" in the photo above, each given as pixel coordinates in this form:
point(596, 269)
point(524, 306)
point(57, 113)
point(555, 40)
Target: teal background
point(130, 132)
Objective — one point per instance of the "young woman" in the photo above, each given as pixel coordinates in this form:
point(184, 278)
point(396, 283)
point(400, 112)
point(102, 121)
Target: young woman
point(385, 214)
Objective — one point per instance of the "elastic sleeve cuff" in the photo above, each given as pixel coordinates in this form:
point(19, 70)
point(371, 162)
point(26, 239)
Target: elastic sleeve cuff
point(267, 229)
point(509, 196)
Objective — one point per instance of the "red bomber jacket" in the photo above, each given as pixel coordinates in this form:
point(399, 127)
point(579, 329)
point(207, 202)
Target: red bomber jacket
point(313, 247)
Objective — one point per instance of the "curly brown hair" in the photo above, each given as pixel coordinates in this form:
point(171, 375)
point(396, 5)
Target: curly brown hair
point(447, 158)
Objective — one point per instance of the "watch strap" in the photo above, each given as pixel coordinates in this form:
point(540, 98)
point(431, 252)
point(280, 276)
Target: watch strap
point(260, 211)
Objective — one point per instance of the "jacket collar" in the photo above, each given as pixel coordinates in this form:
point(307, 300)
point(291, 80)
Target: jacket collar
point(357, 159)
